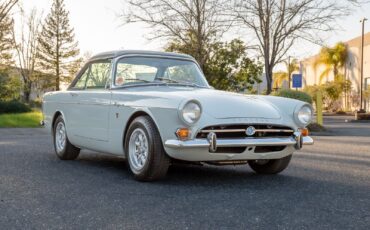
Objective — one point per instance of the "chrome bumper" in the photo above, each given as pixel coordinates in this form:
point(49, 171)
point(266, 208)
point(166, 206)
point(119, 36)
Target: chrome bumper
point(212, 142)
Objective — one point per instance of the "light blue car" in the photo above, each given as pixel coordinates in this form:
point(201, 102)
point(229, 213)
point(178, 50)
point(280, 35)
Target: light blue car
point(155, 107)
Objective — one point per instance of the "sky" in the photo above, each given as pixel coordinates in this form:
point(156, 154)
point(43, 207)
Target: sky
point(98, 27)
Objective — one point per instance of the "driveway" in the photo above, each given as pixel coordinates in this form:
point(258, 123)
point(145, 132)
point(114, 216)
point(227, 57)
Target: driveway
point(326, 186)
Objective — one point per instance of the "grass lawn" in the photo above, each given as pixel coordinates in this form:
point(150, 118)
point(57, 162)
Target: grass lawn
point(21, 120)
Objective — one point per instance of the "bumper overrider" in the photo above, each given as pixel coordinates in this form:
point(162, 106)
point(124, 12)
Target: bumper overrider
point(212, 143)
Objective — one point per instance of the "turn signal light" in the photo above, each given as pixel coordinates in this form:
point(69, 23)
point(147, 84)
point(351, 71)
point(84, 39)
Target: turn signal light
point(304, 132)
point(183, 133)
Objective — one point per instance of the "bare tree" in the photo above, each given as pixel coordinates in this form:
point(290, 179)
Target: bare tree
point(26, 47)
point(193, 23)
point(278, 24)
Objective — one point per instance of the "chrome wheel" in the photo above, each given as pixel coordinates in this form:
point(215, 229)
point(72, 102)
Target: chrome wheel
point(60, 137)
point(138, 149)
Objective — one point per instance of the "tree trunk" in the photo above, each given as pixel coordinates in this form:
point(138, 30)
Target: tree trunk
point(268, 73)
point(27, 91)
point(335, 72)
point(57, 79)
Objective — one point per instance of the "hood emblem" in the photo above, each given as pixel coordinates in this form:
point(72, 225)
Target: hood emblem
point(250, 131)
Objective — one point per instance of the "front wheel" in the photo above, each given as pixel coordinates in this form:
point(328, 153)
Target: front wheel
point(270, 166)
point(144, 150)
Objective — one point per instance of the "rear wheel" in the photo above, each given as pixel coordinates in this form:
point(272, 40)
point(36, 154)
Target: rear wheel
point(144, 150)
point(63, 148)
point(270, 166)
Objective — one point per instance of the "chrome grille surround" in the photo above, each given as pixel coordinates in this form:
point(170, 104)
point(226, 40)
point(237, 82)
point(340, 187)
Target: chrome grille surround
point(239, 131)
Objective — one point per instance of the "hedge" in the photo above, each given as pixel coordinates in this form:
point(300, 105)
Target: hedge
point(13, 107)
point(299, 95)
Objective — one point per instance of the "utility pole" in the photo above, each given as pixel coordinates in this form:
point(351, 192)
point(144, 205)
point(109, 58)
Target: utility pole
point(362, 64)
point(289, 72)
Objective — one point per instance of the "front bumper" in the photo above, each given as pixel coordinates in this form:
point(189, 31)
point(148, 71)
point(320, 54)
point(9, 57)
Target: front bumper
point(204, 149)
point(296, 140)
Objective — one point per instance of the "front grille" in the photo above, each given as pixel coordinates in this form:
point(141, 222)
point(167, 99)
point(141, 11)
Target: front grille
point(230, 149)
point(239, 131)
point(267, 149)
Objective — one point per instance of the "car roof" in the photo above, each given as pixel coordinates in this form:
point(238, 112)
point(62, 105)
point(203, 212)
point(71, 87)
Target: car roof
point(118, 53)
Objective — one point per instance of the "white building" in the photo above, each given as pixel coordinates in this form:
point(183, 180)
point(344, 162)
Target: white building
point(351, 71)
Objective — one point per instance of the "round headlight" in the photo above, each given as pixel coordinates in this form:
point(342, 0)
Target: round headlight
point(304, 115)
point(191, 112)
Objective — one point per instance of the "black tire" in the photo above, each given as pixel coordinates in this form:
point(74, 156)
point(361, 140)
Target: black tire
point(270, 166)
point(69, 151)
point(157, 161)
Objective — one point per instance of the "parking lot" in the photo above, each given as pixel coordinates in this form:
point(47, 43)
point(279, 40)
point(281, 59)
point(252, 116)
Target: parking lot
point(326, 186)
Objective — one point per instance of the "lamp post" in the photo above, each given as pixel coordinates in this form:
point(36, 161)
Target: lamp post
point(289, 72)
point(362, 64)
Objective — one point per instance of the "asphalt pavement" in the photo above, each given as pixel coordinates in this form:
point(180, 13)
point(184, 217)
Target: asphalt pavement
point(326, 186)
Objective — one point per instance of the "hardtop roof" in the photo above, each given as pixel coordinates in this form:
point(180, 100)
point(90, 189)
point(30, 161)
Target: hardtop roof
point(117, 53)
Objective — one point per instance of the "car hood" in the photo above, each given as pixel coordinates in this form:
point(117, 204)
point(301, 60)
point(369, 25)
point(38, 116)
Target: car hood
point(216, 103)
point(220, 104)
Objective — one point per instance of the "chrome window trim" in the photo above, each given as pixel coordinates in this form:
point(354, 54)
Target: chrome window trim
point(86, 66)
point(117, 59)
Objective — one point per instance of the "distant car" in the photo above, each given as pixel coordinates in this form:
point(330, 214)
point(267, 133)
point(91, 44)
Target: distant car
point(154, 108)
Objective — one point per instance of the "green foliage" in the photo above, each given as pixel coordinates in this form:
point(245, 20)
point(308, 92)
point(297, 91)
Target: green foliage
point(9, 86)
point(36, 103)
point(58, 47)
point(313, 90)
point(21, 120)
point(315, 127)
point(299, 95)
point(333, 58)
point(6, 27)
point(331, 92)
point(227, 67)
point(13, 107)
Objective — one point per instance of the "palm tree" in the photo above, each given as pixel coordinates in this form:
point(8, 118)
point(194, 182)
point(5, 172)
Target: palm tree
point(280, 76)
point(333, 59)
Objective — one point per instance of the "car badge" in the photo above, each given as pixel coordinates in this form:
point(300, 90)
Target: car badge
point(250, 131)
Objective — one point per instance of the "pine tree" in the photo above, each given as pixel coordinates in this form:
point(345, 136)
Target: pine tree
point(6, 27)
point(58, 48)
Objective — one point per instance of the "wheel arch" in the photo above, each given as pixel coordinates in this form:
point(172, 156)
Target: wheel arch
point(134, 115)
point(55, 116)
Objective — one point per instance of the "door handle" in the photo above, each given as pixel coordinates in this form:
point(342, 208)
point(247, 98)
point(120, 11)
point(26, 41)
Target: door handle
point(118, 104)
point(74, 94)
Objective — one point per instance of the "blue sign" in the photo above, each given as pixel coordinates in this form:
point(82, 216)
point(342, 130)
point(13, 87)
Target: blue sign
point(297, 80)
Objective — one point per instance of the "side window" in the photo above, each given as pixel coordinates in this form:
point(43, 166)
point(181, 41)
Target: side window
point(81, 82)
point(98, 76)
point(95, 76)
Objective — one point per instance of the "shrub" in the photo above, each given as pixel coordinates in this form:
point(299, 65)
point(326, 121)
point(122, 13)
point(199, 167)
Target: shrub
point(36, 103)
point(315, 127)
point(13, 107)
point(302, 96)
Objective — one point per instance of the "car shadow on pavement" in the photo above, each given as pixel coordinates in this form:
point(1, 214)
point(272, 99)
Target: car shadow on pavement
point(182, 174)
point(114, 170)
point(176, 173)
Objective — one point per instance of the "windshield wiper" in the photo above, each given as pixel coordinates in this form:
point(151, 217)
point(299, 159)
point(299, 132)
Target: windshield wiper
point(167, 79)
point(135, 79)
point(179, 82)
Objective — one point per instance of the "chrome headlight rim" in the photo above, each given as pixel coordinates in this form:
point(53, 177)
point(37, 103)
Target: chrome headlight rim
point(296, 115)
point(183, 105)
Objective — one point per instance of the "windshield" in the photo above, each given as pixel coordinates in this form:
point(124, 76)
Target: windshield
point(147, 70)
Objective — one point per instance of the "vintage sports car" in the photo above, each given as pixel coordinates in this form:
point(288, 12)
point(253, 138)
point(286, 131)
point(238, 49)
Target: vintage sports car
point(156, 108)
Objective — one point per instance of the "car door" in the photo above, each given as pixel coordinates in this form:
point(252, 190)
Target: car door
point(89, 110)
